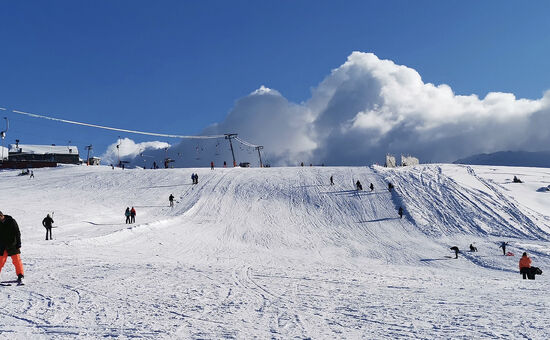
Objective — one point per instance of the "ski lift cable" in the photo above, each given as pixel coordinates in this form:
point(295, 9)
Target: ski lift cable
point(245, 142)
point(115, 129)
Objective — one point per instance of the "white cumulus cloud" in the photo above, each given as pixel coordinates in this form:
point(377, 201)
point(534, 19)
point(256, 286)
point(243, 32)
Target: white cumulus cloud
point(368, 107)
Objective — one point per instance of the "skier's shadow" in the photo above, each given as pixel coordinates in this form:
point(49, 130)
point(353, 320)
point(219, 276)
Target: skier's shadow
point(440, 259)
point(380, 220)
point(166, 186)
point(351, 193)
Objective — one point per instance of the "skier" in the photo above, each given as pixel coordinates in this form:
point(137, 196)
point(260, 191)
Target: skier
point(371, 187)
point(171, 199)
point(358, 185)
point(331, 180)
point(472, 247)
point(133, 215)
point(524, 266)
point(47, 223)
point(32, 175)
point(455, 248)
point(196, 178)
point(211, 165)
point(10, 245)
point(224, 164)
point(127, 214)
point(400, 212)
point(503, 246)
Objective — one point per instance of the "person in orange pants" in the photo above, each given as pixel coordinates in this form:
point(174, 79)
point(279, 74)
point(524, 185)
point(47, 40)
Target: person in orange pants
point(10, 245)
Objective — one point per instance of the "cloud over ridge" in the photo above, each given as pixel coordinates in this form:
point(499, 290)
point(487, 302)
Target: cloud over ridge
point(368, 107)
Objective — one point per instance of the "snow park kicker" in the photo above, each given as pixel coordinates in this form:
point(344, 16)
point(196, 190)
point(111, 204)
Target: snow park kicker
point(278, 253)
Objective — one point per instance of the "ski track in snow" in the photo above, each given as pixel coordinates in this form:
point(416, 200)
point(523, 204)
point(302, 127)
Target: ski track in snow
point(278, 253)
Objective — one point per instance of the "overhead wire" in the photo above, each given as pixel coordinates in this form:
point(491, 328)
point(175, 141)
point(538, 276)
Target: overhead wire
point(34, 115)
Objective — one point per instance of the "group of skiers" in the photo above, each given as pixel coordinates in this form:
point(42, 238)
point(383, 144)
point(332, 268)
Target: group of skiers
point(195, 178)
point(130, 215)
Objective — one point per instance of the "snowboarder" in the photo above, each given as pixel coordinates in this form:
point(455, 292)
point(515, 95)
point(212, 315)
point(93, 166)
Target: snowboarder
point(473, 248)
point(127, 214)
point(133, 215)
point(358, 185)
point(390, 187)
point(47, 223)
point(211, 165)
point(524, 266)
point(171, 199)
point(10, 245)
point(371, 186)
point(331, 180)
point(503, 246)
point(400, 212)
point(455, 248)
point(32, 175)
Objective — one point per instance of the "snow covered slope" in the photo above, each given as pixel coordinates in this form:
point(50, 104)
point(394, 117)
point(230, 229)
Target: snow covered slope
point(278, 253)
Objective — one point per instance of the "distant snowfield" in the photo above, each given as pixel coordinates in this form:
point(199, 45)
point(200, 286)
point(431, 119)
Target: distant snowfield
point(278, 253)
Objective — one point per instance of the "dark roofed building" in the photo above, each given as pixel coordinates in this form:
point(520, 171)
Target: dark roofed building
point(43, 153)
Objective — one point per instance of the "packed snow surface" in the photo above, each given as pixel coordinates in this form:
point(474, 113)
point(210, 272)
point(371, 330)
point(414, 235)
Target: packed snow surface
point(278, 253)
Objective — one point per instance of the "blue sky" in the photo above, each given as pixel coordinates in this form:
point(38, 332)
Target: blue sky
point(179, 66)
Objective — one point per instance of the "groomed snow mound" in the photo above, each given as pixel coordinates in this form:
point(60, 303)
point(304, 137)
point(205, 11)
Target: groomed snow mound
point(278, 252)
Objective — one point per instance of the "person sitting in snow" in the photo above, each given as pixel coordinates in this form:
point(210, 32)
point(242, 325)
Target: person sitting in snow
point(473, 248)
point(358, 185)
point(517, 180)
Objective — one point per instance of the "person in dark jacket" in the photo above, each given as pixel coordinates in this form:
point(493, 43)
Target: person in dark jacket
point(171, 199)
point(456, 250)
point(47, 223)
point(127, 214)
point(10, 245)
point(400, 212)
point(358, 185)
point(371, 187)
point(331, 180)
point(503, 246)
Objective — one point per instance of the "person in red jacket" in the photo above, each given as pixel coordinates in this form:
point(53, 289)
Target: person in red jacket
point(10, 245)
point(524, 265)
point(133, 215)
